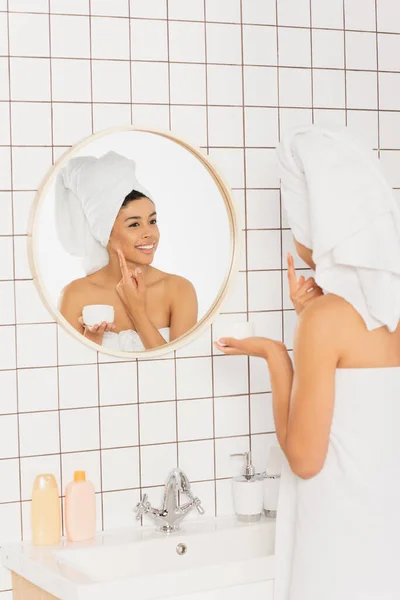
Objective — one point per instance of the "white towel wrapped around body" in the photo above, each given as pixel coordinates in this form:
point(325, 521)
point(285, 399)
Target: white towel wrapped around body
point(89, 194)
point(339, 205)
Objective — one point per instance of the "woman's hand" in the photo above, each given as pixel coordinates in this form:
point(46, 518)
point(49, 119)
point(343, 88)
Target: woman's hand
point(96, 330)
point(132, 289)
point(303, 291)
point(253, 346)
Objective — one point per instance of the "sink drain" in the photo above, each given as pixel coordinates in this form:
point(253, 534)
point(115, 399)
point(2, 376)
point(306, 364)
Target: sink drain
point(181, 549)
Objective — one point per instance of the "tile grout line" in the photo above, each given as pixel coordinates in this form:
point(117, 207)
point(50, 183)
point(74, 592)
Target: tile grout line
point(312, 64)
point(211, 327)
point(245, 213)
point(150, 445)
point(265, 106)
point(280, 192)
point(20, 235)
point(293, 66)
point(345, 63)
point(377, 80)
point(169, 126)
point(14, 273)
point(97, 363)
point(144, 403)
point(140, 445)
point(78, 59)
point(250, 24)
point(169, 65)
point(159, 486)
point(130, 64)
point(57, 330)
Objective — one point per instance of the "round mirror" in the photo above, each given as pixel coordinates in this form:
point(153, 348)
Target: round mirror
point(134, 242)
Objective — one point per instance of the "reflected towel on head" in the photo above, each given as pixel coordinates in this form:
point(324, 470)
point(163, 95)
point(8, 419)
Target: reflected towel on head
point(339, 204)
point(89, 194)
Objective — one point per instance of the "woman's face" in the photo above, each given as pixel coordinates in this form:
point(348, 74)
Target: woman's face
point(305, 254)
point(135, 231)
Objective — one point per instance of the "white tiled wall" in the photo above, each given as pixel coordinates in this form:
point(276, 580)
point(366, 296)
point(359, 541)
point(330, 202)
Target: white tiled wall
point(231, 76)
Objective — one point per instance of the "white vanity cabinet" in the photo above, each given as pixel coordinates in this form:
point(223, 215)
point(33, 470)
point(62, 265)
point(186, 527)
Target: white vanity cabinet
point(263, 590)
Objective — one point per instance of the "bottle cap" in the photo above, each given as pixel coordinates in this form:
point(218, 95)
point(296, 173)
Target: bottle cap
point(44, 481)
point(248, 468)
point(79, 476)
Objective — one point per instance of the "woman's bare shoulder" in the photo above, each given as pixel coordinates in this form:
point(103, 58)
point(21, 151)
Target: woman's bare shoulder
point(179, 284)
point(331, 313)
point(332, 302)
point(77, 287)
point(327, 302)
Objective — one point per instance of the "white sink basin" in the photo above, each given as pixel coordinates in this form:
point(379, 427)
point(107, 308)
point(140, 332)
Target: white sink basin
point(144, 564)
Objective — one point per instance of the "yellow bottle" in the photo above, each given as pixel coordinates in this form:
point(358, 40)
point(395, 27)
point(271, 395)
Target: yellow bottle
point(46, 521)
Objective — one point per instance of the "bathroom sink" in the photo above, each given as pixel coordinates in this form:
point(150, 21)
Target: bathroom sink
point(178, 552)
point(146, 564)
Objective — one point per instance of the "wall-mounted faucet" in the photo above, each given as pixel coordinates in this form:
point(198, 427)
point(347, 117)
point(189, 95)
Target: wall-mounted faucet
point(170, 515)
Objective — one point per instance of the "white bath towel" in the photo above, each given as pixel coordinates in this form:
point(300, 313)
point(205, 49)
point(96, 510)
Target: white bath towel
point(339, 205)
point(89, 194)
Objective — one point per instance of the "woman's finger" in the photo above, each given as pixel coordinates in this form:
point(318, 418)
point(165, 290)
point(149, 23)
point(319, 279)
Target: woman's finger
point(120, 288)
point(302, 298)
point(102, 327)
point(291, 275)
point(140, 280)
point(227, 349)
point(307, 285)
point(229, 342)
point(123, 266)
point(307, 290)
point(312, 295)
point(300, 281)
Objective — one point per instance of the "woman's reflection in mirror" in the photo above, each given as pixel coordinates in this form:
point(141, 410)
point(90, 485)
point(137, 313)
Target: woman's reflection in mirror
point(151, 307)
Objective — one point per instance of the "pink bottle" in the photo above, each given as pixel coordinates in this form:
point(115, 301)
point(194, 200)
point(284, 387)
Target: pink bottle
point(80, 509)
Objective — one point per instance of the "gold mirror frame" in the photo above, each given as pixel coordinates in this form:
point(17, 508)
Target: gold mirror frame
point(235, 244)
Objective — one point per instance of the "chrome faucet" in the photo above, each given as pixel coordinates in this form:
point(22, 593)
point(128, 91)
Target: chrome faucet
point(170, 515)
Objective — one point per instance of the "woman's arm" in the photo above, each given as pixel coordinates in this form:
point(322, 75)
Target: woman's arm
point(316, 355)
point(184, 307)
point(183, 301)
point(183, 315)
point(132, 291)
point(281, 377)
point(71, 304)
point(303, 398)
point(148, 333)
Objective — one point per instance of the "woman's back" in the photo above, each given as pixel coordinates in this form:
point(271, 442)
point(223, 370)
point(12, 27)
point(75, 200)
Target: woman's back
point(337, 532)
point(359, 347)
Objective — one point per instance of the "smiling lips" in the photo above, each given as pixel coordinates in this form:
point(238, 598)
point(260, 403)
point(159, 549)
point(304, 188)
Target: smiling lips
point(146, 248)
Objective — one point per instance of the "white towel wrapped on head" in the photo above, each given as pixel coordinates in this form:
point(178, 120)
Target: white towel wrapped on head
point(339, 205)
point(89, 194)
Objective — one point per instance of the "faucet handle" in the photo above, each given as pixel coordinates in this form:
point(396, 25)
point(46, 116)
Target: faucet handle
point(142, 507)
point(200, 509)
point(195, 502)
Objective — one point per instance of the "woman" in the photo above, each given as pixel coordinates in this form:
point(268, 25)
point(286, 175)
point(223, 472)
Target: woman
point(337, 411)
point(106, 216)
